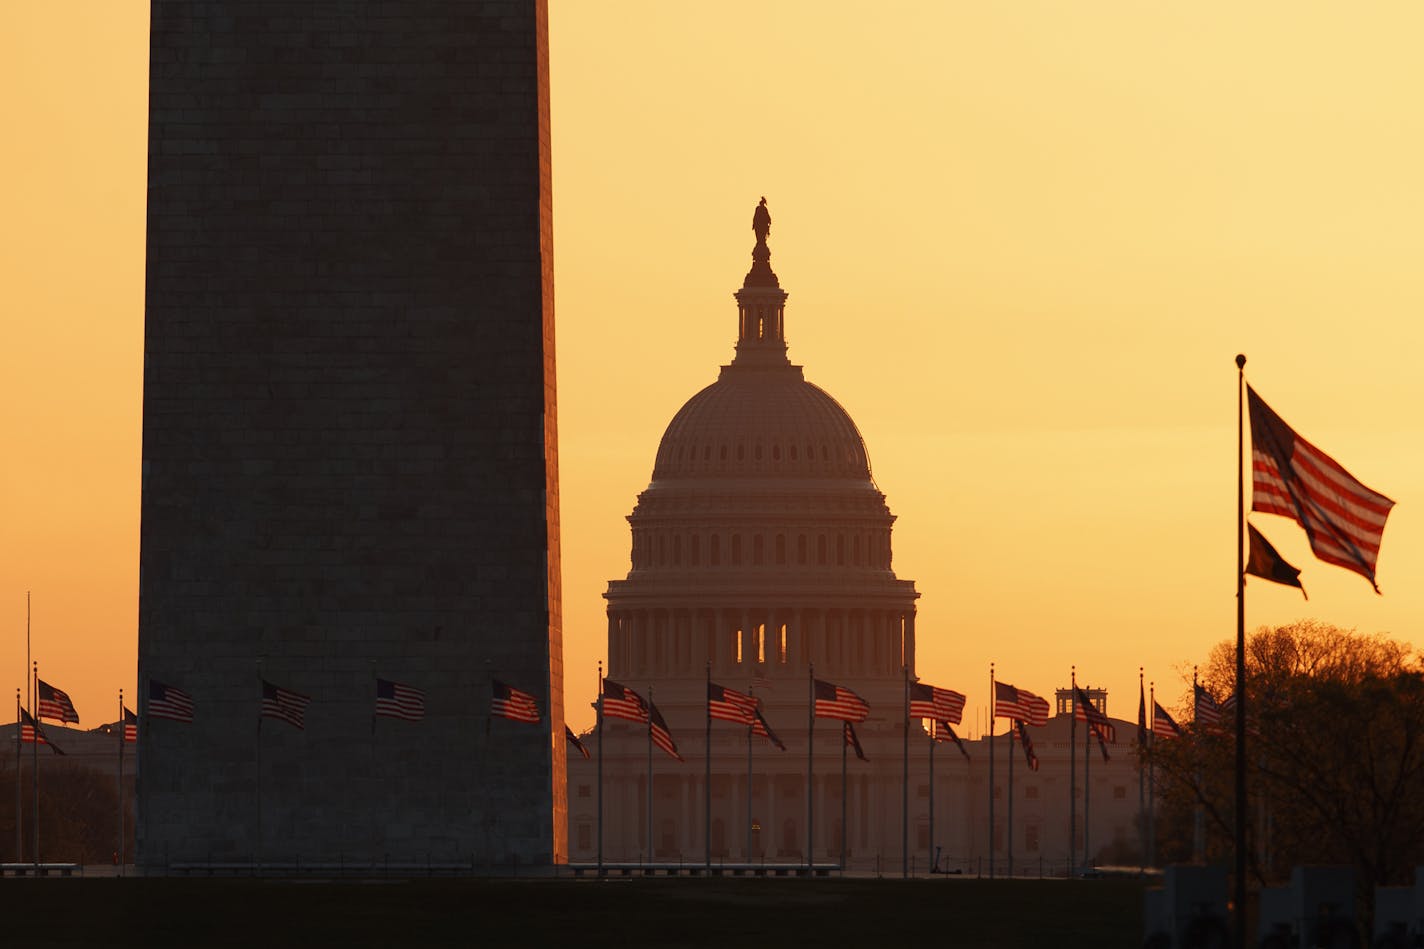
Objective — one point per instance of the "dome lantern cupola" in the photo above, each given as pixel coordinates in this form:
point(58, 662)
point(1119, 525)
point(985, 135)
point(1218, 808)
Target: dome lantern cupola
point(761, 304)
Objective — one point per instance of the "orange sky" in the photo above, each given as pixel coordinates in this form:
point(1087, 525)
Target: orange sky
point(1023, 243)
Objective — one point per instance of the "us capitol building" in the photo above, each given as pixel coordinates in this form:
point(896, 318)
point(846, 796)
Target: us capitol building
point(762, 547)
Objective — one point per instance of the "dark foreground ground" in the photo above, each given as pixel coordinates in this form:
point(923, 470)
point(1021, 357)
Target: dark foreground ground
point(195, 914)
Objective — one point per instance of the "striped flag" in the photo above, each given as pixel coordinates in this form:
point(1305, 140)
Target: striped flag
point(1264, 562)
point(397, 700)
point(1027, 745)
point(31, 732)
point(1085, 711)
point(661, 736)
point(576, 742)
point(619, 701)
point(509, 702)
point(284, 704)
point(1013, 703)
point(1162, 724)
point(1207, 713)
point(851, 741)
point(1291, 477)
point(832, 701)
point(927, 701)
point(728, 705)
point(130, 726)
point(761, 727)
point(944, 732)
point(54, 703)
point(165, 701)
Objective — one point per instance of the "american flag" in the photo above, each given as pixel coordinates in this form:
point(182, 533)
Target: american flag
point(661, 736)
point(761, 727)
point(1027, 746)
point(729, 705)
point(945, 732)
point(284, 704)
point(509, 702)
point(1228, 707)
point(53, 703)
point(130, 726)
point(1010, 702)
point(1291, 477)
point(1207, 713)
point(30, 732)
point(1162, 724)
point(619, 701)
point(576, 742)
point(832, 701)
point(396, 700)
point(165, 701)
point(852, 741)
point(927, 701)
point(1085, 711)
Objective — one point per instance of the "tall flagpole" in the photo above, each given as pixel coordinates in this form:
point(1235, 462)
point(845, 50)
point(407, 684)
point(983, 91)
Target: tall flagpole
point(1151, 782)
point(707, 783)
point(1073, 773)
point(650, 775)
point(598, 710)
point(905, 784)
point(34, 758)
point(123, 735)
point(992, 699)
point(810, 745)
point(844, 832)
point(1240, 656)
point(749, 793)
point(1087, 783)
point(932, 860)
point(1009, 823)
point(1141, 771)
point(257, 847)
point(19, 732)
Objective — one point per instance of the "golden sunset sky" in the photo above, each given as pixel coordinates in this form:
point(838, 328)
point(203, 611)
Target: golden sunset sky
point(1023, 244)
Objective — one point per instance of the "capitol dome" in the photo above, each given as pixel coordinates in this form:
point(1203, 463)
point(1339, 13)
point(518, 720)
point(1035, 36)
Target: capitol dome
point(762, 422)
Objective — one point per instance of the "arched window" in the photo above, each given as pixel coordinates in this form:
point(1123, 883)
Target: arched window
point(741, 452)
point(775, 452)
point(855, 549)
point(781, 548)
point(793, 452)
point(840, 550)
point(714, 551)
point(758, 549)
point(736, 550)
point(821, 549)
point(801, 548)
point(662, 558)
point(695, 554)
point(781, 645)
point(759, 642)
point(756, 452)
point(677, 550)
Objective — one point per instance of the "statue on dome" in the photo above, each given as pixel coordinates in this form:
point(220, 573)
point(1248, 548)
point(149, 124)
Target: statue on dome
point(761, 222)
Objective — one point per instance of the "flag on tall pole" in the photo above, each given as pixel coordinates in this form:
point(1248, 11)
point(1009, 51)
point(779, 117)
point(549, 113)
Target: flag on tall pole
point(833, 701)
point(1206, 712)
point(1021, 704)
point(54, 703)
point(944, 732)
point(1343, 519)
point(619, 701)
point(31, 731)
point(944, 705)
point(508, 702)
point(1098, 724)
point(284, 705)
point(661, 736)
point(1264, 562)
point(851, 740)
point(1029, 756)
point(1162, 724)
point(398, 700)
point(165, 701)
point(130, 726)
point(729, 705)
point(761, 727)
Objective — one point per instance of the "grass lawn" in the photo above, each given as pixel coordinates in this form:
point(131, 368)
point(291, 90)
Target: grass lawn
point(535, 913)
